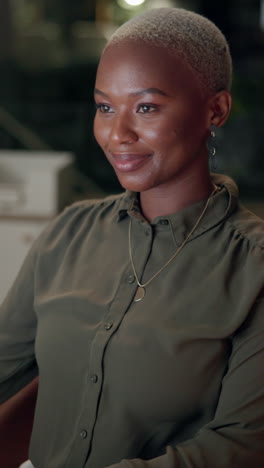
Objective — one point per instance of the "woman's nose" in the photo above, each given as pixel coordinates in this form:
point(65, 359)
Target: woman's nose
point(123, 130)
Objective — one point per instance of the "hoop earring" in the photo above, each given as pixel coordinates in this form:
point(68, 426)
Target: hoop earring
point(211, 148)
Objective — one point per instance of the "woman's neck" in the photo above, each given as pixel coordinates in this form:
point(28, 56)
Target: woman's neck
point(164, 200)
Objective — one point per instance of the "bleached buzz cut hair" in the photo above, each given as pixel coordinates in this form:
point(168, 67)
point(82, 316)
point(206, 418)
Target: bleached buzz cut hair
point(188, 35)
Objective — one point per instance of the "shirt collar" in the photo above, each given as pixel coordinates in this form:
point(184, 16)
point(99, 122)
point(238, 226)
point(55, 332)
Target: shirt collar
point(221, 206)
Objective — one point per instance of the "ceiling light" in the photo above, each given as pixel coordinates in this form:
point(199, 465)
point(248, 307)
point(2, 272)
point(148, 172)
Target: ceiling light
point(130, 4)
point(134, 2)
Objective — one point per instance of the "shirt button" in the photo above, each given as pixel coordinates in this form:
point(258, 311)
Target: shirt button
point(164, 222)
point(131, 279)
point(108, 326)
point(83, 434)
point(94, 378)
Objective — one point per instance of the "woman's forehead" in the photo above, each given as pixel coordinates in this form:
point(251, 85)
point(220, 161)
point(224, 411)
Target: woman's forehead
point(131, 63)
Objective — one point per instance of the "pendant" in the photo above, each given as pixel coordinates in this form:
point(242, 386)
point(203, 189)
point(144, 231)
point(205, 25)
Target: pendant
point(139, 294)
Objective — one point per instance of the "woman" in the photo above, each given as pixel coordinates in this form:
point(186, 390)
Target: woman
point(143, 313)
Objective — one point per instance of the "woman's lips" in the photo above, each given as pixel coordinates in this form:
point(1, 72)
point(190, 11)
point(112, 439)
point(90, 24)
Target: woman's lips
point(127, 162)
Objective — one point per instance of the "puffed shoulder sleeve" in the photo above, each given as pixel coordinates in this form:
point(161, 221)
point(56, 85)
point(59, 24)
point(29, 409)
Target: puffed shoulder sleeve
point(235, 437)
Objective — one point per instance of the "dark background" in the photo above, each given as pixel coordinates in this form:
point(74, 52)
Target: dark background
point(49, 51)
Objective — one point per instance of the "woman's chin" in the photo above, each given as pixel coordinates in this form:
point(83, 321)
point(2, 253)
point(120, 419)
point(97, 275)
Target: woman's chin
point(133, 183)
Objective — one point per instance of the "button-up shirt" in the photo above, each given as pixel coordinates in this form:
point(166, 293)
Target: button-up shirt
point(174, 380)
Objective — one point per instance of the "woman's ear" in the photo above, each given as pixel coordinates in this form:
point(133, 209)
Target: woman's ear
point(219, 108)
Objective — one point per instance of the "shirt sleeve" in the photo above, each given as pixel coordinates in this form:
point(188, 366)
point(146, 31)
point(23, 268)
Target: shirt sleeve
point(235, 437)
point(18, 321)
point(17, 331)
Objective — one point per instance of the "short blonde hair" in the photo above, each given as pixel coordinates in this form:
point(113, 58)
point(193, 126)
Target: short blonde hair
point(194, 38)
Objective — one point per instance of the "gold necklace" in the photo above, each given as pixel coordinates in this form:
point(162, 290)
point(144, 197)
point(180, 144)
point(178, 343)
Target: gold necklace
point(140, 292)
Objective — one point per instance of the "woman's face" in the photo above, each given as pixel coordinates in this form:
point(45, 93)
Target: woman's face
point(152, 118)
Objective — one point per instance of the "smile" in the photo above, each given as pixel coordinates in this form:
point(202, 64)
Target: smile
point(127, 162)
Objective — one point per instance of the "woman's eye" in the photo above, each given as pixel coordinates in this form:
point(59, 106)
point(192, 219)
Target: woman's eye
point(104, 108)
point(146, 108)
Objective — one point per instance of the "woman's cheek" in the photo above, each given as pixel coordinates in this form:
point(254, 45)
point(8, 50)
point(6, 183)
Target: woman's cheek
point(101, 132)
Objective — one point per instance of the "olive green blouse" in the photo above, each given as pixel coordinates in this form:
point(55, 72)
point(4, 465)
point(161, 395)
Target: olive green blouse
point(173, 381)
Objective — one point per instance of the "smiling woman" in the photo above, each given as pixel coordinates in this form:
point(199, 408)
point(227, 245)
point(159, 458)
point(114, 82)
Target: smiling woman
point(144, 117)
point(143, 313)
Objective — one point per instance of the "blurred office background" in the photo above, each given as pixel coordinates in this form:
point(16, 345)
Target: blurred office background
point(49, 51)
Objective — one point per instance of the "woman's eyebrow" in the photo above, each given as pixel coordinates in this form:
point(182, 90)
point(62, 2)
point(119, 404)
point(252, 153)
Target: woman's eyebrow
point(136, 93)
point(148, 91)
point(97, 91)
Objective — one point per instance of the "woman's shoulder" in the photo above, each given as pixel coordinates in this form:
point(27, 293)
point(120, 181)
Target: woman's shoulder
point(84, 208)
point(95, 203)
point(243, 223)
point(81, 215)
point(247, 225)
